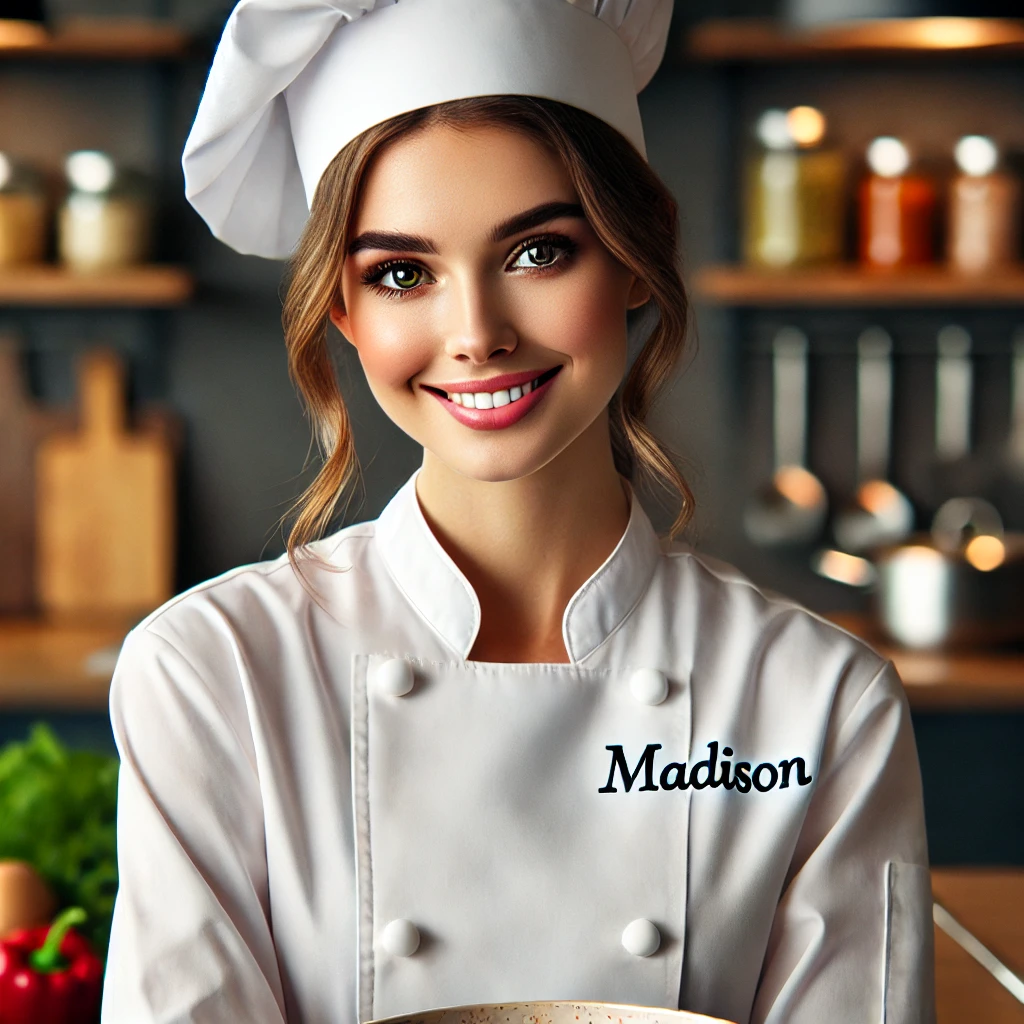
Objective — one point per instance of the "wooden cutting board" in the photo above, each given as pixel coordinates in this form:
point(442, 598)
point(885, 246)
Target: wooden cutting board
point(104, 506)
point(23, 424)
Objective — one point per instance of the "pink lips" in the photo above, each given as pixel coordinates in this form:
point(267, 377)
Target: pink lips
point(496, 419)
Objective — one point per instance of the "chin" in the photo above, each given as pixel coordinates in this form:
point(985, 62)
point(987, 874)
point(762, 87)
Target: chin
point(490, 470)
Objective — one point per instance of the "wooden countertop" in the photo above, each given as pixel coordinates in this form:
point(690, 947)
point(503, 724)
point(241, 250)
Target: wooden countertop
point(57, 666)
point(982, 680)
point(989, 902)
point(69, 666)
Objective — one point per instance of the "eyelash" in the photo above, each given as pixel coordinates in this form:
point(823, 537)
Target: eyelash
point(373, 275)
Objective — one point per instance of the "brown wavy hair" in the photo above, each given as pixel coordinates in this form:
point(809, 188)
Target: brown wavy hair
point(630, 210)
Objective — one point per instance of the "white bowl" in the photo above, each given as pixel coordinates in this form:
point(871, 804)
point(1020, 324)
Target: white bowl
point(551, 1013)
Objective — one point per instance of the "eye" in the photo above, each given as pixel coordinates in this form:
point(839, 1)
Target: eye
point(401, 277)
point(541, 255)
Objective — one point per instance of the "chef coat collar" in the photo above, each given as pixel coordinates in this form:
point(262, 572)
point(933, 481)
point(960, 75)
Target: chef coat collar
point(443, 596)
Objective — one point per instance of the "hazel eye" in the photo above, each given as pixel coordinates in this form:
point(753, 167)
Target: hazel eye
point(541, 255)
point(404, 277)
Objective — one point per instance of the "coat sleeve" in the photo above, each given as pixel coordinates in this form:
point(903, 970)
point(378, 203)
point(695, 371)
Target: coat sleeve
point(852, 939)
point(190, 941)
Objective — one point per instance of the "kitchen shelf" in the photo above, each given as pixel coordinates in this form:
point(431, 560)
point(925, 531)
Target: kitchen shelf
point(127, 39)
point(850, 285)
point(146, 286)
point(57, 666)
point(982, 680)
point(767, 40)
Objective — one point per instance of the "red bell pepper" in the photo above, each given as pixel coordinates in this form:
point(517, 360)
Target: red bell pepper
point(50, 974)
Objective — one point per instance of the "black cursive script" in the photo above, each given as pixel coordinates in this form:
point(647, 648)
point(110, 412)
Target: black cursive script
point(710, 773)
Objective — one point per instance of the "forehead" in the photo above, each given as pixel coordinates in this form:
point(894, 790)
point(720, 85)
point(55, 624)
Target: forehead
point(442, 180)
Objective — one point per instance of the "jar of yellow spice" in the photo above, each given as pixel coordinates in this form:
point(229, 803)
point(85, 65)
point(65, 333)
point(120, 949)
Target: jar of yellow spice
point(795, 200)
point(23, 214)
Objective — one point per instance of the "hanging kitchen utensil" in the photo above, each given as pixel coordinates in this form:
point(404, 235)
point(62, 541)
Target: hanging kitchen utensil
point(880, 513)
point(23, 424)
point(1007, 488)
point(954, 471)
point(791, 507)
point(105, 507)
point(1015, 444)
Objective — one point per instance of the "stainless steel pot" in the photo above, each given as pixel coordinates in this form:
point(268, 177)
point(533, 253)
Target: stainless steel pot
point(962, 585)
point(551, 1013)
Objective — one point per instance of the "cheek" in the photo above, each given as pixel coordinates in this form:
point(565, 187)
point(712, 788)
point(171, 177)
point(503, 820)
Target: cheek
point(586, 318)
point(390, 347)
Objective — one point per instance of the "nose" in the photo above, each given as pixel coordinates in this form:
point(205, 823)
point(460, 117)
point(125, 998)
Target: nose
point(479, 328)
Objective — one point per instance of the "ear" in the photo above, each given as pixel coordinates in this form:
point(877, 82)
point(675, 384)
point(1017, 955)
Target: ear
point(340, 319)
point(639, 294)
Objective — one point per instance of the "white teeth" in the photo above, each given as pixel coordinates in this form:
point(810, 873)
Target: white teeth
point(491, 399)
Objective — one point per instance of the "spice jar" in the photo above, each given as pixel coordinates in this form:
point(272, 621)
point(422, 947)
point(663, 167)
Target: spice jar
point(23, 214)
point(794, 201)
point(983, 209)
point(105, 220)
point(897, 208)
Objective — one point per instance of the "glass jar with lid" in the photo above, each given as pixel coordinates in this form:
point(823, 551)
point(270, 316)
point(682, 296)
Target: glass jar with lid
point(984, 209)
point(794, 202)
point(897, 208)
point(23, 214)
point(106, 218)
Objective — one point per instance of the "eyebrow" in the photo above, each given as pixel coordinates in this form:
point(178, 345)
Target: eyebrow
point(395, 241)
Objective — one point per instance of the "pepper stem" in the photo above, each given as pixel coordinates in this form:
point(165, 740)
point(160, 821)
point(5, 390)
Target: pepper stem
point(47, 959)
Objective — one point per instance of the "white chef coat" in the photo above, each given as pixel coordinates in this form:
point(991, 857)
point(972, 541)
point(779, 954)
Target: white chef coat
point(715, 805)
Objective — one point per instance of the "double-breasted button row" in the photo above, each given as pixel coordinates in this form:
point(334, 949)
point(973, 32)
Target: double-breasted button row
point(402, 938)
point(394, 678)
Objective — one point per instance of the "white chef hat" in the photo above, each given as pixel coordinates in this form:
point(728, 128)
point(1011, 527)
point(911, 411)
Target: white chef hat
point(293, 81)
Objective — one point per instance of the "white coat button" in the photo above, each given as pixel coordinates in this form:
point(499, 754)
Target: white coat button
point(394, 677)
point(641, 937)
point(649, 686)
point(400, 938)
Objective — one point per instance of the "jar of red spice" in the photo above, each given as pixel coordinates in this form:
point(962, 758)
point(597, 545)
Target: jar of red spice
point(897, 208)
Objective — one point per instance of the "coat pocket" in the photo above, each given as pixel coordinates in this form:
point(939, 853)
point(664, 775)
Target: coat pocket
point(909, 945)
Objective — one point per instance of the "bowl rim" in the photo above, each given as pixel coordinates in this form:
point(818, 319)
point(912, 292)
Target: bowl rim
point(549, 1002)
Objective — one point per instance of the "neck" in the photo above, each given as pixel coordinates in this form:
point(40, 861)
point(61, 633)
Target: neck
point(527, 545)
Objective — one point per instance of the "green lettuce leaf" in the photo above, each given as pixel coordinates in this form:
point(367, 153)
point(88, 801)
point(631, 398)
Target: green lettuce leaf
point(58, 811)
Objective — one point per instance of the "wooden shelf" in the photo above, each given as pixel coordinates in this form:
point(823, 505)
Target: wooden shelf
point(46, 285)
point(984, 680)
point(766, 40)
point(128, 39)
point(850, 285)
point(58, 666)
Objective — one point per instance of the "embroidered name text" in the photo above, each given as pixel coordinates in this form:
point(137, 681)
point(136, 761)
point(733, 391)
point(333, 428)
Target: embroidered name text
point(711, 772)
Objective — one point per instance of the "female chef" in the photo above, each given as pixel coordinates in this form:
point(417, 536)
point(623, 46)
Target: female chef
point(501, 744)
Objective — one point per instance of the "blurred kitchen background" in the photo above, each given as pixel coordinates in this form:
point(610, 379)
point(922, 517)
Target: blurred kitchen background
point(849, 177)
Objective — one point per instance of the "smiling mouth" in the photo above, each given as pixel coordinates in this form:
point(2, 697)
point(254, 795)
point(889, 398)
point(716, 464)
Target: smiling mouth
point(494, 399)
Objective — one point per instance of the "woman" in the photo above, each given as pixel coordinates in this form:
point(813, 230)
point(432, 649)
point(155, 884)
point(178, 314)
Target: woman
point(500, 744)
